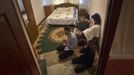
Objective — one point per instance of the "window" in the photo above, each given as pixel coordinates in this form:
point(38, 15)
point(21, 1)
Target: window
point(58, 1)
point(74, 1)
point(81, 1)
point(46, 2)
point(53, 2)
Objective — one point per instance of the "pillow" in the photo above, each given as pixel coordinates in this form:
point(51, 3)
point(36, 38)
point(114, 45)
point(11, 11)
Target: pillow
point(71, 8)
point(60, 8)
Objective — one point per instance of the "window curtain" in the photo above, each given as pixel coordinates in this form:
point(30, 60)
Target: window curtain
point(58, 1)
point(81, 2)
point(73, 1)
point(54, 2)
point(47, 2)
point(65, 1)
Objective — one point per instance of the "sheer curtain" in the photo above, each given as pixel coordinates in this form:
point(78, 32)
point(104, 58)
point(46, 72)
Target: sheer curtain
point(46, 2)
point(65, 1)
point(54, 2)
point(73, 1)
point(81, 1)
point(58, 1)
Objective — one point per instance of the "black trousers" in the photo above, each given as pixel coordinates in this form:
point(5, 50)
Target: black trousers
point(64, 54)
point(81, 68)
point(60, 48)
point(80, 36)
point(82, 64)
point(80, 60)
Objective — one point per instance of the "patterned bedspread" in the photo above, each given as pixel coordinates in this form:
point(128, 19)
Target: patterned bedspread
point(63, 16)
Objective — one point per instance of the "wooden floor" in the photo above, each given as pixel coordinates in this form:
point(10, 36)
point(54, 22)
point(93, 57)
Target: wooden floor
point(120, 67)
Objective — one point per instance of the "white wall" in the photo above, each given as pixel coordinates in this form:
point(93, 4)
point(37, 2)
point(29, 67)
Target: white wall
point(38, 10)
point(83, 4)
point(98, 6)
point(123, 44)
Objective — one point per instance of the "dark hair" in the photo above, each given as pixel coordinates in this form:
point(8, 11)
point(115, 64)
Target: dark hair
point(67, 28)
point(82, 42)
point(97, 18)
point(87, 16)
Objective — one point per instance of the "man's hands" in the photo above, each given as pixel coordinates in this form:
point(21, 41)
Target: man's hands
point(64, 42)
point(77, 52)
point(91, 22)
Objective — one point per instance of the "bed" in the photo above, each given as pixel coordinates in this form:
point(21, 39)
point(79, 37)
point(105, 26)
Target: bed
point(63, 14)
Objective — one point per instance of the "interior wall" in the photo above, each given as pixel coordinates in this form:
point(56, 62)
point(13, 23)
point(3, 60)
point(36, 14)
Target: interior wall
point(38, 10)
point(123, 44)
point(98, 6)
point(83, 4)
point(119, 67)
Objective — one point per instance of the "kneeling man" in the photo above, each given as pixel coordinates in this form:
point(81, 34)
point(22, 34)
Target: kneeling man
point(84, 56)
point(66, 48)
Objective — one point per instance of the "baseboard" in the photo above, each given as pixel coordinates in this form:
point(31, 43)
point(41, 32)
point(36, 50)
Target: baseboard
point(124, 57)
point(41, 21)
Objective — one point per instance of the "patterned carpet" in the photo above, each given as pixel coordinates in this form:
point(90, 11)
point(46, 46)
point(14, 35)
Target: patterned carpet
point(47, 43)
point(64, 69)
point(50, 39)
point(54, 67)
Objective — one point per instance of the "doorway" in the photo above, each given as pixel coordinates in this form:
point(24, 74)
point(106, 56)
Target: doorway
point(48, 40)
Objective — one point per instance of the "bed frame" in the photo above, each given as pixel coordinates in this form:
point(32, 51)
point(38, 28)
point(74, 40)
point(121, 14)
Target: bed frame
point(66, 5)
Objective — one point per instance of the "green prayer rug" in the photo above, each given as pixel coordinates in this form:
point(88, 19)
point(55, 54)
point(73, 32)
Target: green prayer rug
point(50, 39)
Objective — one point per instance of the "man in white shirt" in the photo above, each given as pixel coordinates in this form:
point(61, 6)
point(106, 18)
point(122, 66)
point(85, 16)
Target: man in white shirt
point(90, 33)
point(94, 31)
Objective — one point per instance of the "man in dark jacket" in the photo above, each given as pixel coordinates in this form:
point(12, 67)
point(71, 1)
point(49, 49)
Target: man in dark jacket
point(84, 56)
point(83, 24)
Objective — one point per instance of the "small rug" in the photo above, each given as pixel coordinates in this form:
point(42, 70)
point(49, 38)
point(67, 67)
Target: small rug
point(65, 69)
point(50, 39)
point(54, 67)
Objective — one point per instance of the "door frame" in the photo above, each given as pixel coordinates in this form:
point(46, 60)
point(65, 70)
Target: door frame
point(26, 40)
point(109, 32)
point(31, 27)
point(113, 15)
